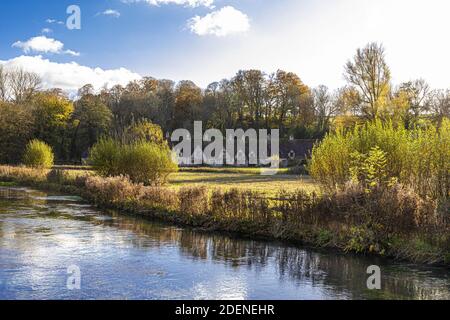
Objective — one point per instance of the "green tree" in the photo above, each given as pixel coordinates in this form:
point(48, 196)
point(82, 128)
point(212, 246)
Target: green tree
point(91, 120)
point(52, 113)
point(16, 129)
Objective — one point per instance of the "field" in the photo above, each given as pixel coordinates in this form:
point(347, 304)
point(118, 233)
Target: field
point(230, 178)
point(243, 180)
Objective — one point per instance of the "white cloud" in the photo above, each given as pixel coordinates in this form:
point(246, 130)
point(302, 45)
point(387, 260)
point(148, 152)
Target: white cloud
point(187, 3)
point(43, 44)
point(46, 30)
point(110, 12)
point(52, 21)
point(70, 76)
point(223, 22)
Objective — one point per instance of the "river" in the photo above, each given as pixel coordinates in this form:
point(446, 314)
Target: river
point(44, 237)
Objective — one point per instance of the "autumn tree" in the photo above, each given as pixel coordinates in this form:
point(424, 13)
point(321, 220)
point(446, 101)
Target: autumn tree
point(325, 107)
point(52, 112)
point(370, 75)
point(165, 94)
point(223, 105)
point(250, 86)
point(188, 102)
point(289, 94)
point(410, 102)
point(144, 130)
point(439, 105)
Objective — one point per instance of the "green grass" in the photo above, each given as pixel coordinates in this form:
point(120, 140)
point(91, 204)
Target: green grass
point(7, 184)
point(240, 170)
point(227, 178)
point(268, 185)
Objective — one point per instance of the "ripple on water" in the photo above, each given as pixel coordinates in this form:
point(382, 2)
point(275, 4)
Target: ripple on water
point(122, 257)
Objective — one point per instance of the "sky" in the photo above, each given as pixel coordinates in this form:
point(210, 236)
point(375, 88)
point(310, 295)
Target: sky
point(208, 40)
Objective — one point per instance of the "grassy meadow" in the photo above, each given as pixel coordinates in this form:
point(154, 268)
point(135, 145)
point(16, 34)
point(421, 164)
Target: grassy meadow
point(225, 179)
point(243, 180)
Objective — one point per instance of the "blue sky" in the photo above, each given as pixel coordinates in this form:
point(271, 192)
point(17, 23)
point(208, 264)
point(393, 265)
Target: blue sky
point(207, 40)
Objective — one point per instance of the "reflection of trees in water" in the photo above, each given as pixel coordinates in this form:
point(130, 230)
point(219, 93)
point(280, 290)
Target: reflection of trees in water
point(344, 274)
point(338, 273)
point(13, 197)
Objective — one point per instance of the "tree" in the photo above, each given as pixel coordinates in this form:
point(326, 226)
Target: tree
point(91, 120)
point(144, 130)
point(23, 85)
point(16, 129)
point(52, 113)
point(250, 86)
point(3, 84)
point(86, 90)
point(288, 93)
point(439, 105)
point(188, 101)
point(325, 107)
point(369, 74)
point(410, 101)
point(222, 104)
point(165, 93)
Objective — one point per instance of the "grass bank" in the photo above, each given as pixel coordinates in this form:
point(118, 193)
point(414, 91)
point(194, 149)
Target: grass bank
point(243, 179)
point(394, 223)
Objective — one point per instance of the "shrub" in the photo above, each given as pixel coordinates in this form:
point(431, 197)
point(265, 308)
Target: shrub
point(429, 162)
point(118, 191)
point(393, 210)
point(144, 130)
point(193, 201)
point(38, 155)
point(142, 161)
point(380, 152)
point(147, 162)
point(105, 157)
point(162, 199)
point(370, 169)
point(331, 159)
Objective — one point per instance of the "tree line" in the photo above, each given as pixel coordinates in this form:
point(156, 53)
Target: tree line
point(250, 99)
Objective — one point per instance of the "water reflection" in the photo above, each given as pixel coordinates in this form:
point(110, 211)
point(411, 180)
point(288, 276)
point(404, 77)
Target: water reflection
point(131, 257)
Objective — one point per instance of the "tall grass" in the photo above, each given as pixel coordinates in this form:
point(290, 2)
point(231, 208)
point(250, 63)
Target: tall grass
point(384, 221)
point(418, 158)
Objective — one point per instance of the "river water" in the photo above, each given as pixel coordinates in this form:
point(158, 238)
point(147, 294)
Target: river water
point(45, 239)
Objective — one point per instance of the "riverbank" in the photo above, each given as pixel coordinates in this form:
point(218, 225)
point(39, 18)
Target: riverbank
point(393, 224)
point(132, 257)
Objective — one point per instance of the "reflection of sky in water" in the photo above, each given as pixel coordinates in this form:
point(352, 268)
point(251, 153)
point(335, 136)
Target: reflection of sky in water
point(130, 258)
